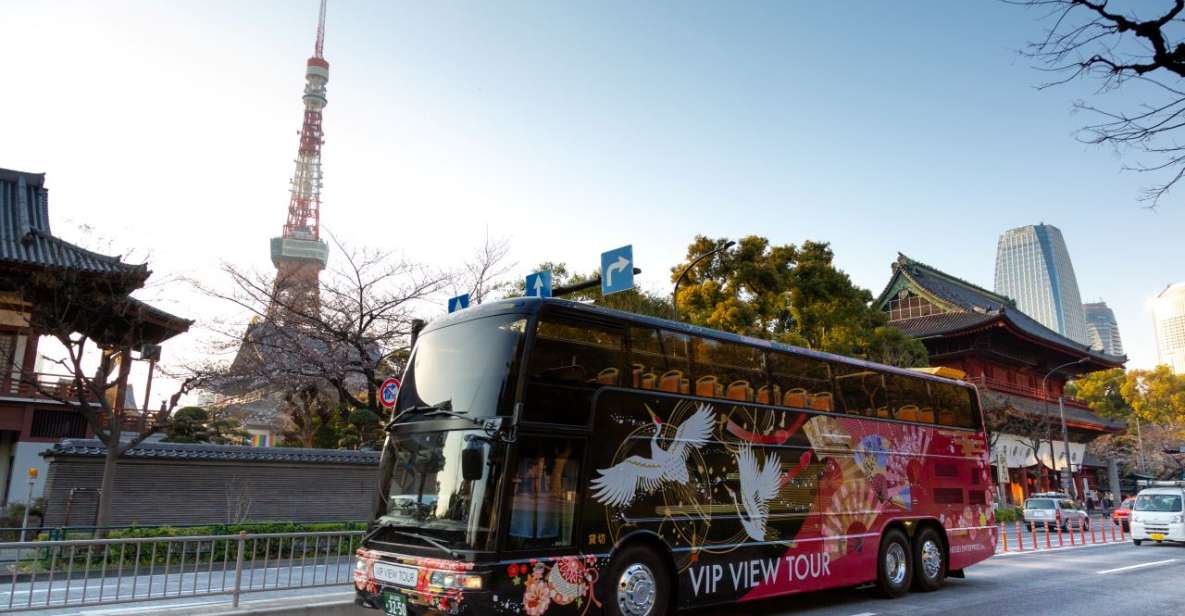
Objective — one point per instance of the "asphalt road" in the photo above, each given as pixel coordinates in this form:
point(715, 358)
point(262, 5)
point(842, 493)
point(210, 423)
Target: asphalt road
point(1112, 579)
point(1108, 579)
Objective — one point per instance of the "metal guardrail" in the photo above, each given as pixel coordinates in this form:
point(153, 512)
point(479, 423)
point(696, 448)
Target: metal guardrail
point(89, 572)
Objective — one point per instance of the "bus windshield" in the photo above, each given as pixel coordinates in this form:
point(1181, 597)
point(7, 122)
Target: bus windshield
point(427, 502)
point(468, 365)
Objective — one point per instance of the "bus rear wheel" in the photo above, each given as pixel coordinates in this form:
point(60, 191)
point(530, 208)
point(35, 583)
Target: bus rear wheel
point(929, 560)
point(639, 584)
point(894, 568)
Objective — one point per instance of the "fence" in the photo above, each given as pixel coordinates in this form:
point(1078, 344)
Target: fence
point(1022, 536)
point(88, 572)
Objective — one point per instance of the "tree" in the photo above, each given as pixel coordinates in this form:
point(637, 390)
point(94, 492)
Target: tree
point(484, 274)
point(344, 347)
point(1102, 391)
point(85, 313)
point(1156, 396)
point(790, 294)
point(635, 300)
point(1142, 53)
point(194, 424)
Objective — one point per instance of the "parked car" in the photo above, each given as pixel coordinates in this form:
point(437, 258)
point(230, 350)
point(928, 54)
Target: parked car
point(1123, 512)
point(1055, 511)
point(1159, 515)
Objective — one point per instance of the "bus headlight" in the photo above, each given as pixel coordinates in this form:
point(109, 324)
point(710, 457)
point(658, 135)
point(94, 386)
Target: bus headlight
point(360, 565)
point(448, 579)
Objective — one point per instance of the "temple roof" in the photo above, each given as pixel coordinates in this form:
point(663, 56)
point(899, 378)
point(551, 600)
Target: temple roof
point(969, 307)
point(25, 237)
point(1075, 417)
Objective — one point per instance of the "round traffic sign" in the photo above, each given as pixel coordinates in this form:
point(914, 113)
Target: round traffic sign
point(388, 392)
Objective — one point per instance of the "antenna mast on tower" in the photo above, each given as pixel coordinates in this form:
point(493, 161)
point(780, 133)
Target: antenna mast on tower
point(299, 254)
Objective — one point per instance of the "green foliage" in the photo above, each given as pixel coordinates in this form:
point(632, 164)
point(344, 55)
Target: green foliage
point(790, 294)
point(1005, 513)
point(1156, 395)
point(193, 424)
point(158, 554)
point(1103, 392)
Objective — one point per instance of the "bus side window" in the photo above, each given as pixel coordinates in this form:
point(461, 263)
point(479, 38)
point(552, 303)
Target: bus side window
point(953, 405)
point(567, 363)
point(800, 382)
point(908, 399)
point(861, 391)
point(647, 362)
point(727, 370)
point(677, 351)
point(544, 487)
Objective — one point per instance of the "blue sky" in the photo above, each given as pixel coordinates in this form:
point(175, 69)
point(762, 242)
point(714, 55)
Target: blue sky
point(573, 128)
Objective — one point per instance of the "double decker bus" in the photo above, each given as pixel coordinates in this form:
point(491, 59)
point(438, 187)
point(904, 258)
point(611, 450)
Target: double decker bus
point(551, 457)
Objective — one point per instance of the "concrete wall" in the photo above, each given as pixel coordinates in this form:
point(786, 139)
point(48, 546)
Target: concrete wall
point(26, 455)
point(197, 491)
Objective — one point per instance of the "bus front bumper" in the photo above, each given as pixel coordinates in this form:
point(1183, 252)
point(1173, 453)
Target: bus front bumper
point(421, 586)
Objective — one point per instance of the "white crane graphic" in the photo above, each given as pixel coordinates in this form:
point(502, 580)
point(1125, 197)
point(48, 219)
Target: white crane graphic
point(619, 484)
point(758, 487)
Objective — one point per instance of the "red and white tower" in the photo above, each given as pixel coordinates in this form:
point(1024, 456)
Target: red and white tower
point(299, 254)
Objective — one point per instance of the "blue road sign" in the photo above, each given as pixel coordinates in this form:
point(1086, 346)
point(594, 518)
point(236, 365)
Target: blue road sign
point(617, 270)
point(459, 302)
point(539, 284)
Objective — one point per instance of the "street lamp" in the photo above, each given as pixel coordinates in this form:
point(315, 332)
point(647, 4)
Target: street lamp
point(1061, 408)
point(683, 274)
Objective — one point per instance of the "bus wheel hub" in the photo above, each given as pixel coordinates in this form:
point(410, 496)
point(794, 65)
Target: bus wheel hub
point(635, 590)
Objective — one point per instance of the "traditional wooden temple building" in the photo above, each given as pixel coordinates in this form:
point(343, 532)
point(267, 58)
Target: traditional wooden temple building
point(32, 263)
point(1020, 366)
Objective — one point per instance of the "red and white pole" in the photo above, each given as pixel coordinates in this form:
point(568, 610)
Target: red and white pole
point(1004, 536)
point(1020, 540)
point(1047, 540)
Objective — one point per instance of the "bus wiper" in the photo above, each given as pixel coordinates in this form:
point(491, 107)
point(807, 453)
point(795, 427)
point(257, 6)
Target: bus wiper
point(420, 410)
point(429, 540)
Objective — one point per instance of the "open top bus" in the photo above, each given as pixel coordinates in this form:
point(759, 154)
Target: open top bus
point(551, 457)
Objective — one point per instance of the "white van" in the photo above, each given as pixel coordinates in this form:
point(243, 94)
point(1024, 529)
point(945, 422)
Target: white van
point(1159, 513)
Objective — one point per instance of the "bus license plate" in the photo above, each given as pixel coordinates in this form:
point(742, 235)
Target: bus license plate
point(394, 604)
point(396, 574)
point(1156, 536)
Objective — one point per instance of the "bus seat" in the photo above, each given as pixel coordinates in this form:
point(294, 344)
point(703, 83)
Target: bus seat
point(883, 413)
point(908, 412)
point(946, 417)
point(926, 415)
point(648, 380)
point(709, 387)
point(637, 370)
point(763, 395)
point(739, 390)
point(670, 381)
point(821, 401)
point(796, 398)
point(684, 385)
point(608, 376)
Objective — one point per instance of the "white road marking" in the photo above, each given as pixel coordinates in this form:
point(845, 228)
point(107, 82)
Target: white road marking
point(1139, 566)
point(865, 614)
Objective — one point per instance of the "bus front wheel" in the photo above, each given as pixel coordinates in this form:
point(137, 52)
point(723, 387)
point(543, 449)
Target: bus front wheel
point(929, 560)
point(894, 569)
point(639, 584)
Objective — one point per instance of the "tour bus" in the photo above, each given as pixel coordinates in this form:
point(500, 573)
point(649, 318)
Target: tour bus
point(552, 457)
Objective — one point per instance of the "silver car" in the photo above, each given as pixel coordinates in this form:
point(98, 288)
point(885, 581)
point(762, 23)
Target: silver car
point(1057, 512)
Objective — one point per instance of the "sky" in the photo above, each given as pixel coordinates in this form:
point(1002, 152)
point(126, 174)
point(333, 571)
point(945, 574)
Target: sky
point(169, 129)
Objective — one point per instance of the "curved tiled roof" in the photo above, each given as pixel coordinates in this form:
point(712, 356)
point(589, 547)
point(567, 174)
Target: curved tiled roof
point(25, 237)
point(92, 448)
point(978, 305)
point(998, 400)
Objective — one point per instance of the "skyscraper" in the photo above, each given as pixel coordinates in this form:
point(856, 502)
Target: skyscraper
point(1033, 268)
point(1102, 328)
point(1168, 310)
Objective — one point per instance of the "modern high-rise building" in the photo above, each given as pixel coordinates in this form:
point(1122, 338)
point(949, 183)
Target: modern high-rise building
point(1102, 328)
point(1168, 310)
point(1033, 268)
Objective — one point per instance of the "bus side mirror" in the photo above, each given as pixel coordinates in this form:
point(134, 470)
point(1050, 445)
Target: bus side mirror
point(473, 461)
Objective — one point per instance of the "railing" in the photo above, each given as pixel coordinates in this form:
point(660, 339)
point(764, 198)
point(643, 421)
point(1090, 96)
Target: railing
point(87, 572)
point(1024, 390)
point(14, 384)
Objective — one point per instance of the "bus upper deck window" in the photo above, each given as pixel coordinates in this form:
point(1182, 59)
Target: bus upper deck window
point(567, 362)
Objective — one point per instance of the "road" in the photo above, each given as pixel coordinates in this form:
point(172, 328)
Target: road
point(1112, 579)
